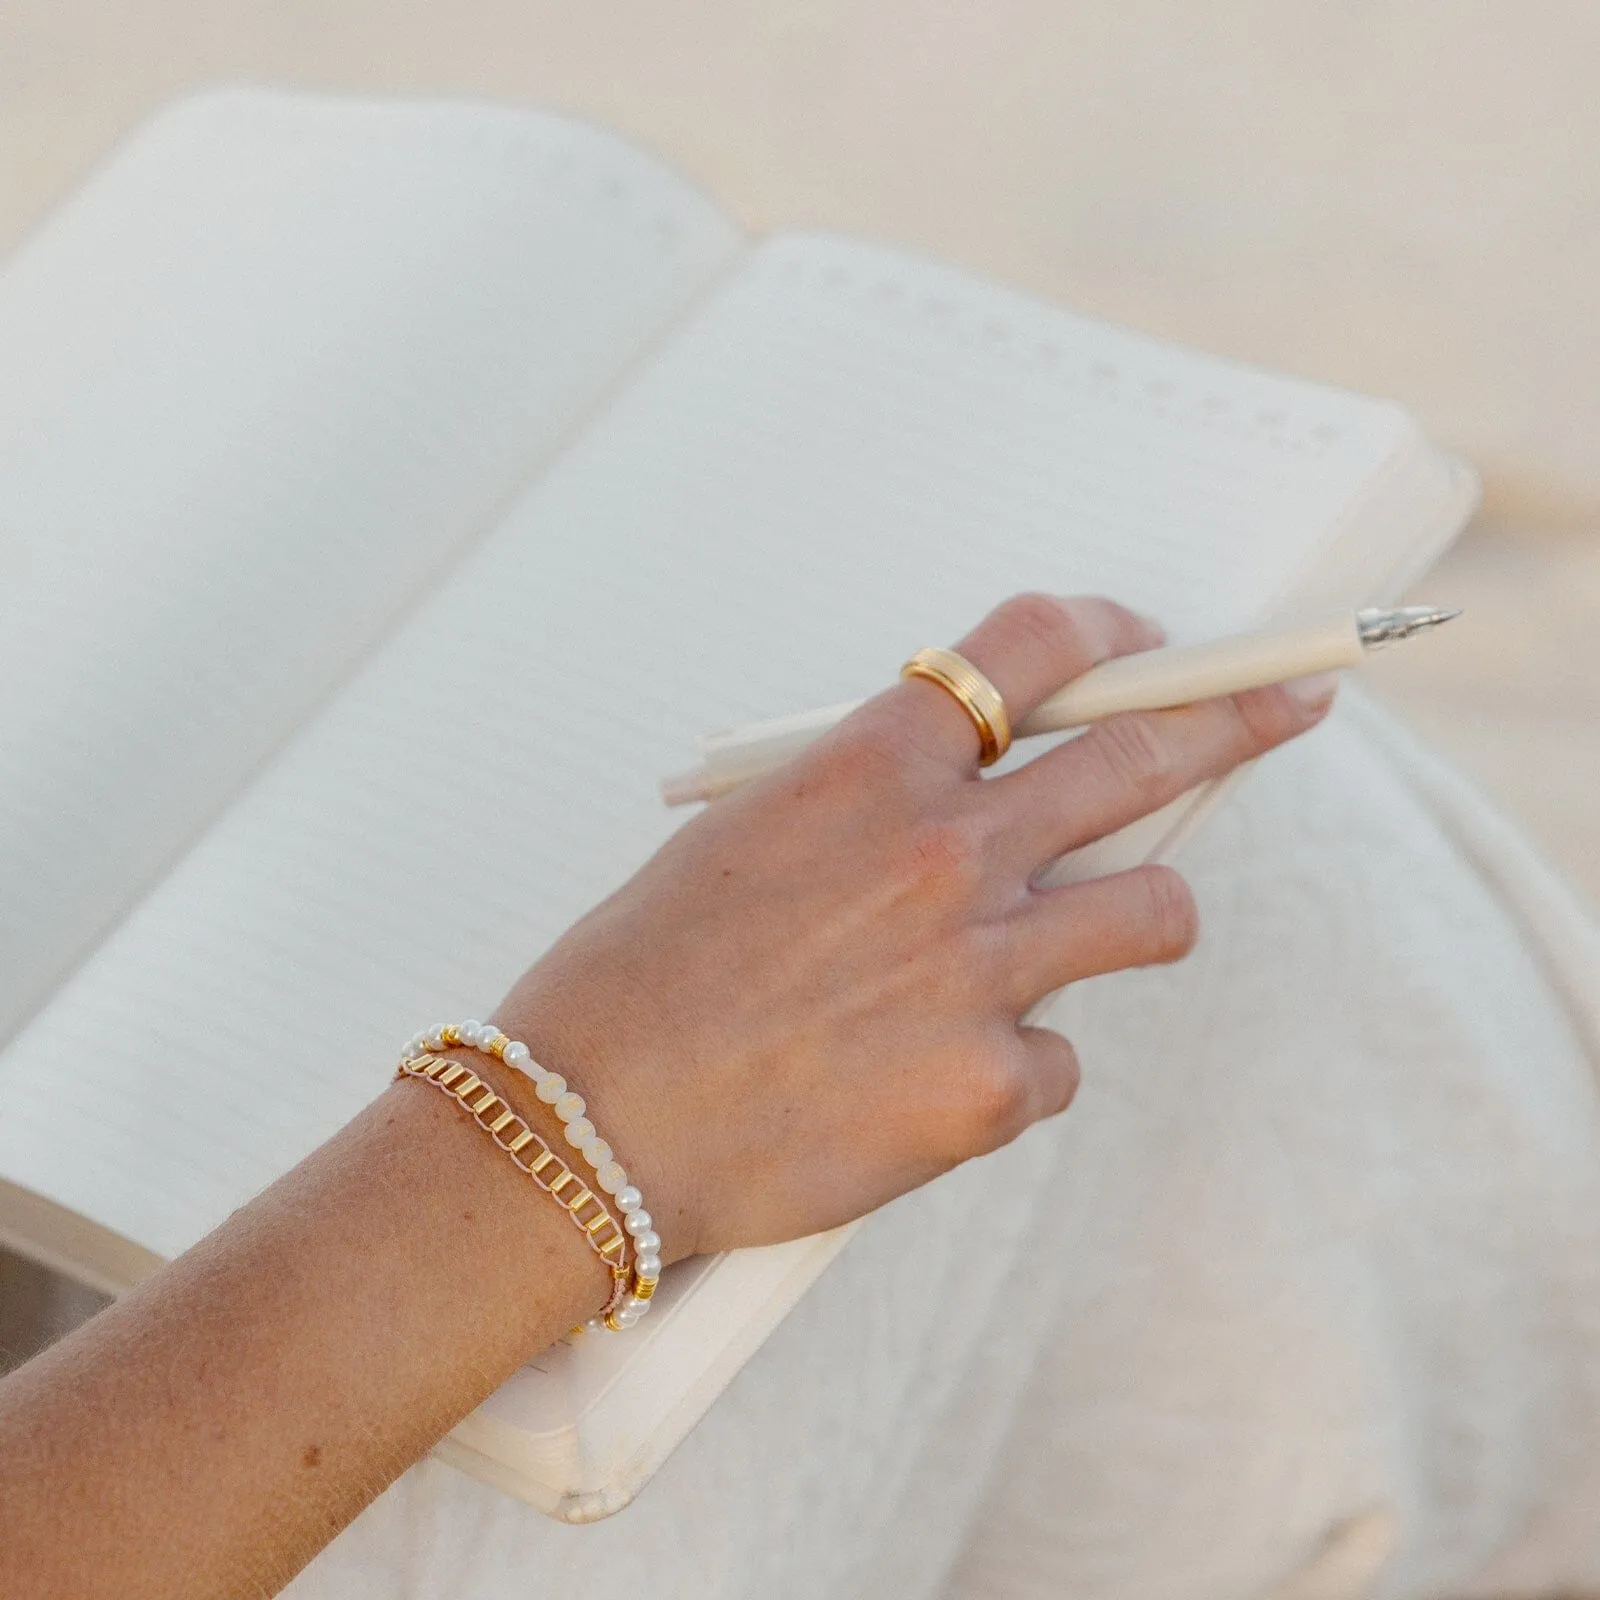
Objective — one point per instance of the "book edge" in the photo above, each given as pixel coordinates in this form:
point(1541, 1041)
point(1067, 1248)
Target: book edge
point(40, 1229)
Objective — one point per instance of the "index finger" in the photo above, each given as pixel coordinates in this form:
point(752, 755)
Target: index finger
point(1132, 765)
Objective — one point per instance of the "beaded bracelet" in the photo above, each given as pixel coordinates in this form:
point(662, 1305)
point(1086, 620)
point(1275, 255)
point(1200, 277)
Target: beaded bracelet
point(624, 1308)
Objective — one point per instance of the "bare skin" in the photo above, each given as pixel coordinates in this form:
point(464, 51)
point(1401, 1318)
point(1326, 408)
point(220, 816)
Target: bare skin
point(807, 1003)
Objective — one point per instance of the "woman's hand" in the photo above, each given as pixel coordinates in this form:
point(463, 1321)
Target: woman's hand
point(808, 1001)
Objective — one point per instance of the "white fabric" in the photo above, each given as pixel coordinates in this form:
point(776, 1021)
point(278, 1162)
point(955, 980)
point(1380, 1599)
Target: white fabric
point(1301, 1300)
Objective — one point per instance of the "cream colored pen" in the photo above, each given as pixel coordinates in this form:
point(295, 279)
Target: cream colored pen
point(1151, 680)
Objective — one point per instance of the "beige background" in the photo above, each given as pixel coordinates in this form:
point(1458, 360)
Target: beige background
point(1399, 195)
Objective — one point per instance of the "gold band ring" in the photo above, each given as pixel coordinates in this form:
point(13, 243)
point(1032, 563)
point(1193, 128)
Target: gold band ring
point(972, 692)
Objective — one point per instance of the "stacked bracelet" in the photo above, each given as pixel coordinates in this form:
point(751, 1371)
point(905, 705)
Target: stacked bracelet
point(634, 1288)
point(532, 1157)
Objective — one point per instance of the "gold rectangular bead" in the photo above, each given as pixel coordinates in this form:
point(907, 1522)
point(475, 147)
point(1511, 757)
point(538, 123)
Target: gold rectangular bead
point(644, 1288)
point(462, 1086)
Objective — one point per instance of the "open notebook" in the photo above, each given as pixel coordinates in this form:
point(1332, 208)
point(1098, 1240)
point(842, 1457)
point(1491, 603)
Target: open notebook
point(338, 441)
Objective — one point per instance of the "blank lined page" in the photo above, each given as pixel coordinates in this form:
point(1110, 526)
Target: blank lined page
point(257, 381)
point(843, 456)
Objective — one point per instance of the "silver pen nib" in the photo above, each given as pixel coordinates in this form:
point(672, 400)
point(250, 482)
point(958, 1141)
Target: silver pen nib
point(1379, 628)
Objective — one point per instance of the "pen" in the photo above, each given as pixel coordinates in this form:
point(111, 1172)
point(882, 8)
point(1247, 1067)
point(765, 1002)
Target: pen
point(1151, 680)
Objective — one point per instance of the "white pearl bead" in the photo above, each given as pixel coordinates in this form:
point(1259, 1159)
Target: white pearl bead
point(627, 1317)
point(595, 1325)
point(516, 1052)
point(640, 1307)
point(629, 1198)
point(551, 1088)
point(638, 1220)
point(435, 1040)
point(595, 1151)
point(648, 1265)
point(468, 1029)
point(646, 1244)
point(569, 1107)
point(611, 1177)
point(578, 1131)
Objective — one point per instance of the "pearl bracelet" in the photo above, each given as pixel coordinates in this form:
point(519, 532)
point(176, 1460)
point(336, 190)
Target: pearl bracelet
point(551, 1088)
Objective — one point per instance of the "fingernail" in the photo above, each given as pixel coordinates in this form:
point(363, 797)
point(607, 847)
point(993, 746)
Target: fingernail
point(1158, 634)
point(1314, 693)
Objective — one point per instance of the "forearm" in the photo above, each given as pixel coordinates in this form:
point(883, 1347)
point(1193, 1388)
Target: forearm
point(207, 1434)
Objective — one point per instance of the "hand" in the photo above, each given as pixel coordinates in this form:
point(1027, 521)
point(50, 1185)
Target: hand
point(808, 1001)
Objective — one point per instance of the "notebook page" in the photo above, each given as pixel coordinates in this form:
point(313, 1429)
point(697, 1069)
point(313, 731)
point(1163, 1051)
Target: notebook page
point(842, 456)
point(260, 378)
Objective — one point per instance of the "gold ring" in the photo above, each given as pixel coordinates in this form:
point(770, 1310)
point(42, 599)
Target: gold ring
point(972, 692)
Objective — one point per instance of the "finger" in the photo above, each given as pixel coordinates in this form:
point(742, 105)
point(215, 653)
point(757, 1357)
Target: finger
point(1129, 766)
point(1033, 1073)
point(1027, 647)
point(1140, 918)
point(1053, 1069)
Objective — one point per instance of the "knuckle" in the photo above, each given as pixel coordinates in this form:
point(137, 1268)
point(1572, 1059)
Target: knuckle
point(946, 854)
point(979, 960)
point(862, 760)
point(997, 1099)
point(1170, 914)
point(1082, 628)
point(1039, 618)
point(1042, 627)
point(1264, 718)
point(1139, 760)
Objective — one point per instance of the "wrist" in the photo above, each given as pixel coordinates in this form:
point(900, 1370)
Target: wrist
point(618, 1085)
point(557, 1281)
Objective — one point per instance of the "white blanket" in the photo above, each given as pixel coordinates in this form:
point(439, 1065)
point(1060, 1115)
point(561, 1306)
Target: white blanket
point(1301, 1300)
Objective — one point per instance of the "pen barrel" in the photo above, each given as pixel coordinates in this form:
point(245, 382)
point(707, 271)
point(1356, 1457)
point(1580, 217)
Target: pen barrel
point(743, 753)
point(1181, 674)
point(1151, 680)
